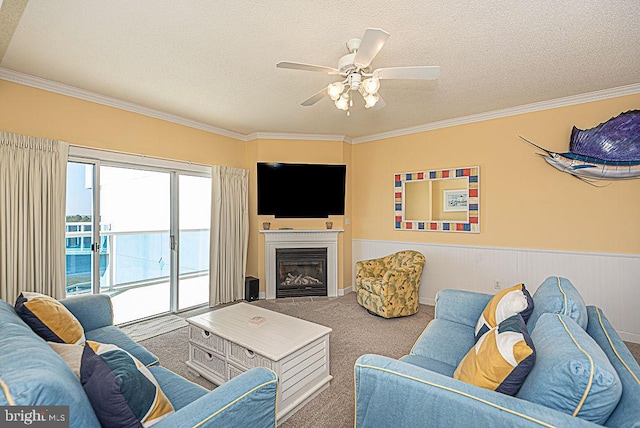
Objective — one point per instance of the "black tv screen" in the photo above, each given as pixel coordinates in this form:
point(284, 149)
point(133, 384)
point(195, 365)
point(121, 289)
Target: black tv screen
point(291, 190)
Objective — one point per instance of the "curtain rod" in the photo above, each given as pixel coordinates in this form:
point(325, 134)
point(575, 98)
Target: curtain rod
point(141, 155)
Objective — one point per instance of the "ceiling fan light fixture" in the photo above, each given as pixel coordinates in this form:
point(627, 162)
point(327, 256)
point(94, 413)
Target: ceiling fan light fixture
point(370, 100)
point(358, 74)
point(335, 90)
point(371, 85)
point(342, 103)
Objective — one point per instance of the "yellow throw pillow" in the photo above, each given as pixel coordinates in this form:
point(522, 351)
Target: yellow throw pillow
point(49, 318)
point(501, 359)
point(507, 303)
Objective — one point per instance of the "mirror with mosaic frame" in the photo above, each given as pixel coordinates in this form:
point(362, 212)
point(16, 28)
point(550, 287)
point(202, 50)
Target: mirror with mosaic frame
point(442, 200)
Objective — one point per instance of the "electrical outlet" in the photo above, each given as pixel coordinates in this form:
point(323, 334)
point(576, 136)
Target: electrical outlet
point(347, 220)
point(497, 284)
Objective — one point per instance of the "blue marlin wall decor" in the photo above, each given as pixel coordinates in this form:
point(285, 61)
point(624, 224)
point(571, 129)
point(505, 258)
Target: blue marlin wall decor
point(609, 151)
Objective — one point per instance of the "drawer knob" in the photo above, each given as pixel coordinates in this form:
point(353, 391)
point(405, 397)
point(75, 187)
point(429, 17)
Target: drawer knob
point(250, 353)
point(209, 356)
point(205, 333)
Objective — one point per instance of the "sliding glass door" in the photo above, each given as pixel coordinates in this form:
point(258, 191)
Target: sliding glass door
point(135, 223)
point(79, 229)
point(150, 248)
point(193, 282)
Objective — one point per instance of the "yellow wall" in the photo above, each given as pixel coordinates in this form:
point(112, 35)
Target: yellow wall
point(525, 203)
point(39, 113)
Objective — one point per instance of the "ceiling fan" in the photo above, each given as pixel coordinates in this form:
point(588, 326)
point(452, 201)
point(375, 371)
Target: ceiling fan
point(356, 74)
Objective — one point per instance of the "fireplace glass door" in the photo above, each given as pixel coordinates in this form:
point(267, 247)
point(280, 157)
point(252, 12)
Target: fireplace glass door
point(301, 272)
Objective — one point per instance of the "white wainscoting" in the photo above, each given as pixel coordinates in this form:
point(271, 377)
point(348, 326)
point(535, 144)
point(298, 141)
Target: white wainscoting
point(610, 281)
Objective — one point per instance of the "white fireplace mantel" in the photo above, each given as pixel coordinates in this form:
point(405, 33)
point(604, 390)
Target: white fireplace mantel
point(301, 238)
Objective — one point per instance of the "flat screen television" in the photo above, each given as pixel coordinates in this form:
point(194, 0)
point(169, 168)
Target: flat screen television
point(290, 190)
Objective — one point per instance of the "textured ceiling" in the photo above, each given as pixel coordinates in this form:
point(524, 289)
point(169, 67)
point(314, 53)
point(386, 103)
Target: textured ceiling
point(214, 62)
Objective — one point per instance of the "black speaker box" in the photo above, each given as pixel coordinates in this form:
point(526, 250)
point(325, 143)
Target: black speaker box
point(251, 288)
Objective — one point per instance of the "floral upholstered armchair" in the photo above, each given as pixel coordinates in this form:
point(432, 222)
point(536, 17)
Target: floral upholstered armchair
point(389, 286)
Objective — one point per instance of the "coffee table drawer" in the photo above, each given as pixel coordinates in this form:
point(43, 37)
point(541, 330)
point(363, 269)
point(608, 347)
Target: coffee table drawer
point(233, 371)
point(206, 339)
point(247, 358)
point(209, 361)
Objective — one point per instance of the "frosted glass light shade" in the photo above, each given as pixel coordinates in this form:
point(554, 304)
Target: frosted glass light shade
point(371, 85)
point(334, 90)
point(343, 102)
point(370, 100)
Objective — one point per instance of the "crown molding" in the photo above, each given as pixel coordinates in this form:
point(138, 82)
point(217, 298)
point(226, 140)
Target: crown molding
point(70, 91)
point(512, 111)
point(297, 136)
point(59, 88)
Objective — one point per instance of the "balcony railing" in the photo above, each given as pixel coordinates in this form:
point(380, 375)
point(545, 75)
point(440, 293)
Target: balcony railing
point(131, 259)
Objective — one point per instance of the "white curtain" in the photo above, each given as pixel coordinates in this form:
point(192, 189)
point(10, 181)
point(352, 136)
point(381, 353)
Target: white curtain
point(33, 175)
point(229, 233)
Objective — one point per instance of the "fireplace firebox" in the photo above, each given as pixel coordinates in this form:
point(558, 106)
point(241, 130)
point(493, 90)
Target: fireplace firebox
point(301, 272)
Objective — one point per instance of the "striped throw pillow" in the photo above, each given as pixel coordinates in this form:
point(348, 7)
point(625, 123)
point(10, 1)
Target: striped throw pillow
point(507, 303)
point(501, 359)
point(122, 391)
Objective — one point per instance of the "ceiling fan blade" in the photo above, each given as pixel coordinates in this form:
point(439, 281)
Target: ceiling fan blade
point(372, 42)
point(427, 72)
point(314, 98)
point(307, 67)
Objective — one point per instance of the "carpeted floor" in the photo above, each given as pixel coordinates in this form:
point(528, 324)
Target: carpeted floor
point(154, 327)
point(355, 332)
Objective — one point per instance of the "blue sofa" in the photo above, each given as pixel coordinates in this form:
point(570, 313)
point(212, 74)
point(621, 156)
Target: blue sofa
point(419, 389)
point(32, 374)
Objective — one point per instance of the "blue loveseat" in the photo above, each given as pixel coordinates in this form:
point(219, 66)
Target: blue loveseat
point(32, 374)
point(584, 359)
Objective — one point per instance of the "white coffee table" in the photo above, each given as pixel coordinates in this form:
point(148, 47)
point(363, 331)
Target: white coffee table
point(229, 341)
